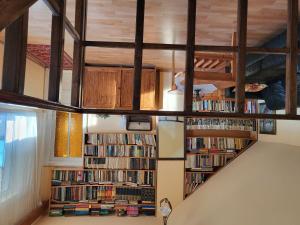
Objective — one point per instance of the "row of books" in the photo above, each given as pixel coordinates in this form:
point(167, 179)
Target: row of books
point(120, 163)
point(192, 180)
point(120, 150)
point(222, 105)
point(120, 138)
point(221, 124)
point(123, 177)
point(217, 143)
point(100, 193)
point(207, 162)
point(120, 207)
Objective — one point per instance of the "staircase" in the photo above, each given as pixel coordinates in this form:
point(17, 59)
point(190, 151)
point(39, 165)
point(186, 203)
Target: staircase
point(260, 187)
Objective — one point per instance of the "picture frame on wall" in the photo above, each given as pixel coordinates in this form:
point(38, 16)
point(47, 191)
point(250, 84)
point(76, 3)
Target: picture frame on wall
point(267, 126)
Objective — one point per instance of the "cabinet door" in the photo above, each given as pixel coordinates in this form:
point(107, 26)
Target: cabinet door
point(126, 91)
point(101, 88)
point(149, 90)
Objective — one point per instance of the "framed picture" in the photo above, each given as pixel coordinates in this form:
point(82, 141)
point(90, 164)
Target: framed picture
point(266, 126)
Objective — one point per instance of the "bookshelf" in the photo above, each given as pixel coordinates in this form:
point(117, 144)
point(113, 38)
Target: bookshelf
point(118, 177)
point(211, 143)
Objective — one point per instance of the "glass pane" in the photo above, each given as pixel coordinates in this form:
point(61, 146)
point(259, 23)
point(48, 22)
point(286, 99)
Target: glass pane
point(2, 41)
point(165, 21)
point(38, 51)
point(70, 10)
point(171, 66)
point(171, 137)
point(66, 81)
point(111, 20)
point(76, 135)
point(266, 20)
point(213, 74)
point(62, 135)
point(265, 81)
point(216, 22)
point(110, 56)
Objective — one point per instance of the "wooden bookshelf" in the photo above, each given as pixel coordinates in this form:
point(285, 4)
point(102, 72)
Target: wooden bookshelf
point(107, 185)
point(208, 150)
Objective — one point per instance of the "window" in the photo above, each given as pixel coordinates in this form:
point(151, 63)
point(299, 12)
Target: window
point(2, 141)
point(20, 164)
point(68, 135)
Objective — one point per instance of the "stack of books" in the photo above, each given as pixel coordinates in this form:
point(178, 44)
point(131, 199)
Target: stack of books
point(95, 209)
point(56, 210)
point(82, 209)
point(70, 210)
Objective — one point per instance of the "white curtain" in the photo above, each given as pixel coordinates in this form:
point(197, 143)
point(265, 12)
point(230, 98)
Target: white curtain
point(21, 165)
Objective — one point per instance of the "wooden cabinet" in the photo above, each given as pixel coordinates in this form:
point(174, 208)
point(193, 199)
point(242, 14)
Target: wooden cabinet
point(101, 88)
point(112, 88)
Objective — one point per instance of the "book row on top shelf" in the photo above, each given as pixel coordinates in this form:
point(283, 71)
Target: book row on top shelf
point(222, 105)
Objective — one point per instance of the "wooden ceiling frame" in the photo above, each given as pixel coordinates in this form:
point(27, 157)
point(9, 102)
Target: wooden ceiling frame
point(17, 9)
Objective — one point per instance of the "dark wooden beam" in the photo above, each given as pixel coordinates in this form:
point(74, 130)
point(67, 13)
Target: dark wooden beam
point(13, 98)
point(191, 114)
point(182, 47)
point(53, 5)
point(291, 58)
point(12, 10)
point(108, 44)
point(158, 46)
point(14, 62)
point(190, 53)
point(57, 53)
point(138, 54)
point(118, 65)
point(78, 53)
point(241, 55)
point(72, 30)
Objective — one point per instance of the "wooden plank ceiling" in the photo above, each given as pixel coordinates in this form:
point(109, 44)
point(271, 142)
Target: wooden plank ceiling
point(165, 22)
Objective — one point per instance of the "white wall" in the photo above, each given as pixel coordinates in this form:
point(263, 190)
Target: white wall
point(113, 123)
point(261, 187)
point(288, 132)
point(170, 178)
point(169, 100)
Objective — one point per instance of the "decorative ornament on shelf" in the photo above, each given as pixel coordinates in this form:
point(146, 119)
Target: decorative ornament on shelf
point(165, 209)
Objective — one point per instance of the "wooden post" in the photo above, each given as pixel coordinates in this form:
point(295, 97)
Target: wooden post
point(12, 10)
point(233, 61)
point(241, 55)
point(78, 54)
point(57, 53)
point(190, 53)
point(138, 55)
point(291, 58)
point(14, 62)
